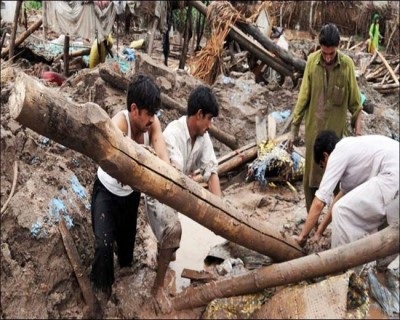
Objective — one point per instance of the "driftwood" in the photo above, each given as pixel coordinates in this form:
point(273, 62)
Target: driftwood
point(379, 245)
point(14, 30)
point(14, 184)
point(88, 129)
point(388, 67)
point(80, 272)
point(23, 36)
point(120, 82)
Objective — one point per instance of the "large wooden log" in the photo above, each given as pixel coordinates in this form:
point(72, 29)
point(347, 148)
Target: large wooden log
point(23, 36)
point(255, 48)
point(271, 46)
point(120, 82)
point(88, 129)
point(379, 245)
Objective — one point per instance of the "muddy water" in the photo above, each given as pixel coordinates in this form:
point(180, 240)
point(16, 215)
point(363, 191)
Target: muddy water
point(195, 244)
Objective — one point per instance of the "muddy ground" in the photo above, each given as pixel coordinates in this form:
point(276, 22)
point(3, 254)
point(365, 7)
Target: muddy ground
point(37, 280)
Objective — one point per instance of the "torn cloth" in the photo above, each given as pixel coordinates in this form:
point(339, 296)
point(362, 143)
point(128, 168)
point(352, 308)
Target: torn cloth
point(74, 18)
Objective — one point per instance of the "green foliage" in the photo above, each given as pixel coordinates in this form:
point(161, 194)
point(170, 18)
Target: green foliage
point(36, 5)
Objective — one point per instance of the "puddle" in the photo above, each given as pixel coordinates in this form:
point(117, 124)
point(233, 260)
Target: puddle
point(196, 242)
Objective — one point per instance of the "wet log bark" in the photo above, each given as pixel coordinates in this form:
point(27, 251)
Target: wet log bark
point(253, 47)
point(23, 36)
point(79, 271)
point(121, 83)
point(379, 245)
point(386, 88)
point(88, 129)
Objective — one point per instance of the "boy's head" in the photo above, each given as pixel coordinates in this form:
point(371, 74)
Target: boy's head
point(329, 39)
point(202, 105)
point(329, 36)
point(144, 93)
point(324, 144)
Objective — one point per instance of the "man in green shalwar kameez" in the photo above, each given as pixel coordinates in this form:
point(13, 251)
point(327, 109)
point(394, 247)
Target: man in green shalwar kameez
point(328, 89)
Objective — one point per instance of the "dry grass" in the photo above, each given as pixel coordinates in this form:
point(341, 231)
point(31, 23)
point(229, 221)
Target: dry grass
point(207, 64)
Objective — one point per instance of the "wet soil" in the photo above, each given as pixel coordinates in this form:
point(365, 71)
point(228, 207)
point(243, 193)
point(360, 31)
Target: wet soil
point(37, 280)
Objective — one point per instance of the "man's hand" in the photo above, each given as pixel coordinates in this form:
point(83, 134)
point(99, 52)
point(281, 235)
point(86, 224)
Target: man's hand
point(316, 238)
point(290, 142)
point(300, 240)
point(161, 301)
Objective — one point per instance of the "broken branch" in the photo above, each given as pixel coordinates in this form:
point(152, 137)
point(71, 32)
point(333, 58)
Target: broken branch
point(14, 184)
point(76, 264)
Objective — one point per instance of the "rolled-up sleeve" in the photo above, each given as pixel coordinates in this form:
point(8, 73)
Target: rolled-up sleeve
point(209, 163)
point(333, 173)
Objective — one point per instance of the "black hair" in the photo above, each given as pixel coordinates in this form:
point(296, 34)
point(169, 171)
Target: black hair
point(324, 142)
point(202, 98)
point(329, 35)
point(143, 91)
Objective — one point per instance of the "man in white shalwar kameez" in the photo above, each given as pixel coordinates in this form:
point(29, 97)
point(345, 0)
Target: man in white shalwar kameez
point(367, 168)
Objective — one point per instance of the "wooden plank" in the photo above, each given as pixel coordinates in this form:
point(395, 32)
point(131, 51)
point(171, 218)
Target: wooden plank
point(261, 128)
point(203, 276)
point(271, 128)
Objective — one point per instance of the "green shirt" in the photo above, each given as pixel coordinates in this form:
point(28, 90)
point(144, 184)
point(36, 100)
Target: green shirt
point(324, 103)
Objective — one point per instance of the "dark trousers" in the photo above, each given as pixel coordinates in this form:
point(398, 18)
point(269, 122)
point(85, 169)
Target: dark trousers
point(113, 218)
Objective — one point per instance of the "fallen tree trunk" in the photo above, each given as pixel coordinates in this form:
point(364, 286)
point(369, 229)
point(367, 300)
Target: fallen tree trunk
point(120, 82)
point(88, 129)
point(23, 36)
point(253, 47)
point(271, 46)
point(379, 245)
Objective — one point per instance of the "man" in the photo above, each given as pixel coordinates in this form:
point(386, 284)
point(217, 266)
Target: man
point(368, 170)
point(114, 206)
point(328, 90)
point(188, 142)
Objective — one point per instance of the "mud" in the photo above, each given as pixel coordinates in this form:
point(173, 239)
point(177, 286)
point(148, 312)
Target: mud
point(37, 280)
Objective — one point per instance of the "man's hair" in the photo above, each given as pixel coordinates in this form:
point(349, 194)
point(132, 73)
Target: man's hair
point(329, 36)
point(144, 93)
point(324, 142)
point(202, 98)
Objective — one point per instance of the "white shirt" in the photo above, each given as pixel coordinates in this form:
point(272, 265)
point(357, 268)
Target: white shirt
point(355, 160)
point(181, 153)
point(112, 184)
